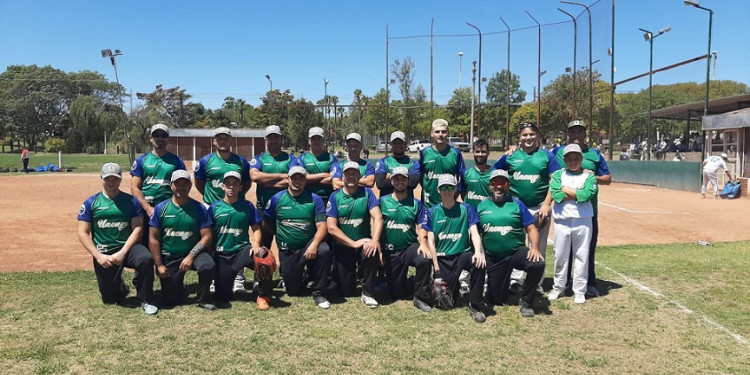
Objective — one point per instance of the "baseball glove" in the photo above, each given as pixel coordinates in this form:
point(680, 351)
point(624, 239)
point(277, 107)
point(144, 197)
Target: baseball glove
point(442, 294)
point(540, 223)
point(265, 265)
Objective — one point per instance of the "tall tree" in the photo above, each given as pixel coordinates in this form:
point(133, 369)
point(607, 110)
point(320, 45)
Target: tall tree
point(170, 104)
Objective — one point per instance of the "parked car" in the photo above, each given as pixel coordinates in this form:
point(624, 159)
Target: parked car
point(459, 144)
point(418, 146)
point(382, 145)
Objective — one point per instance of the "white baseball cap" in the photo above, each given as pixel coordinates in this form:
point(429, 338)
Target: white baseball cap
point(573, 147)
point(273, 129)
point(111, 169)
point(297, 170)
point(178, 174)
point(398, 135)
point(350, 165)
point(158, 127)
point(354, 136)
point(447, 179)
point(315, 132)
point(234, 174)
point(222, 130)
point(724, 155)
point(499, 173)
point(400, 171)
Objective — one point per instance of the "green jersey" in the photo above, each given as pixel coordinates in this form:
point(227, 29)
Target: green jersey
point(400, 219)
point(433, 163)
point(180, 226)
point(323, 163)
point(295, 218)
point(110, 219)
point(529, 174)
point(211, 169)
point(476, 185)
point(155, 173)
point(503, 225)
point(231, 223)
point(451, 227)
point(352, 211)
point(268, 163)
point(387, 164)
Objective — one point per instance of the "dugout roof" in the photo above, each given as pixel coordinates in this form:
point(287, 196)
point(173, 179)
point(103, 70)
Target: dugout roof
point(729, 120)
point(695, 110)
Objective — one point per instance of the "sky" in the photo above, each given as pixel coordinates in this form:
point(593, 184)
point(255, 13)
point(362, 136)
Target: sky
point(215, 49)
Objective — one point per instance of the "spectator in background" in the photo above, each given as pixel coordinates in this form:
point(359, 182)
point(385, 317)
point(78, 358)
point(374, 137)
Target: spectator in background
point(25, 160)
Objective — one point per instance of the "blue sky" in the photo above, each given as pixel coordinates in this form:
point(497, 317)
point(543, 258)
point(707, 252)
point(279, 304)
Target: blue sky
point(225, 48)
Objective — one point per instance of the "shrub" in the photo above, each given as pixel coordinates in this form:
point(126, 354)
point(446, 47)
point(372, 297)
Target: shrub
point(54, 145)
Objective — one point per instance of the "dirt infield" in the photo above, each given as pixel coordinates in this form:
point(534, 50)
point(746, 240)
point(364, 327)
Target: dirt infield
point(39, 218)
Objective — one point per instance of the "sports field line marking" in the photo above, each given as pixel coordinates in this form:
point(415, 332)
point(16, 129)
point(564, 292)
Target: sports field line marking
point(643, 212)
point(739, 338)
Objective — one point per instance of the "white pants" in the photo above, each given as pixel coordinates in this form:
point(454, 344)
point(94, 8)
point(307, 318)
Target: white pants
point(576, 234)
point(709, 176)
point(516, 276)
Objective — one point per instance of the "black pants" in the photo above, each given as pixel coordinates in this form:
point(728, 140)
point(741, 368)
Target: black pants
point(173, 286)
point(450, 269)
point(25, 165)
point(397, 267)
point(592, 254)
point(498, 275)
point(111, 285)
point(293, 264)
point(227, 266)
point(346, 260)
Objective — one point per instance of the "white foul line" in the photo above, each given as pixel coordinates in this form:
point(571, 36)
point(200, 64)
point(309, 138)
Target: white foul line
point(680, 306)
point(642, 212)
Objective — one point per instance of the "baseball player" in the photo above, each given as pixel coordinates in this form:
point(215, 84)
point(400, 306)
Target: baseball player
point(109, 228)
point(404, 242)
point(476, 180)
point(357, 242)
point(505, 222)
point(438, 159)
point(180, 236)
point(573, 190)
point(321, 166)
point(592, 161)
point(709, 168)
point(366, 169)
point(385, 166)
point(297, 218)
point(529, 169)
point(234, 247)
point(451, 233)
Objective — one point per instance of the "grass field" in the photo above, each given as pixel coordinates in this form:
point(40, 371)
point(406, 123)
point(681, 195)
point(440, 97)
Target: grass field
point(79, 162)
point(55, 323)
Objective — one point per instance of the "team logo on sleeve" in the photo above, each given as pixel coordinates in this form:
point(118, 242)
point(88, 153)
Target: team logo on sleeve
point(82, 210)
point(197, 167)
point(134, 166)
point(329, 206)
point(253, 161)
point(377, 165)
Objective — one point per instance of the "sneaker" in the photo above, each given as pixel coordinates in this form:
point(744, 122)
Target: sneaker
point(149, 309)
point(281, 284)
point(207, 306)
point(321, 301)
point(477, 314)
point(369, 301)
point(421, 305)
point(239, 287)
point(224, 305)
point(526, 310)
point(554, 294)
point(263, 303)
point(592, 291)
point(579, 298)
point(212, 288)
point(515, 288)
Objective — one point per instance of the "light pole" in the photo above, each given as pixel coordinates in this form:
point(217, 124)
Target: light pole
point(108, 53)
point(479, 95)
point(695, 3)
point(473, 90)
point(268, 77)
point(325, 116)
point(575, 64)
point(507, 89)
point(591, 73)
point(538, 72)
point(460, 63)
point(649, 37)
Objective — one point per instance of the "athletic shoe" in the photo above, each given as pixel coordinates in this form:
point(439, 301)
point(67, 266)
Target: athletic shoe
point(239, 287)
point(207, 306)
point(464, 281)
point(592, 291)
point(421, 305)
point(477, 314)
point(149, 309)
point(224, 305)
point(321, 301)
point(263, 303)
point(579, 298)
point(281, 284)
point(526, 310)
point(515, 288)
point(369, 301)
point(212, 288)
point(554, 294)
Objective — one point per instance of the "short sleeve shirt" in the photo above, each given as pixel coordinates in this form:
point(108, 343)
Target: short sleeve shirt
point(211, 168)
point(387, 164)
point(433, 163)
point(110, 219)
point(529, 174)
point(295, 218)
point(323, 163)
point(400, 220)
point(232, 223)
point(180, 225)
point(268, 163)
point(502, 225)
point(352, 211)
point(476, 184)
point(451, 228)
point(155, 173)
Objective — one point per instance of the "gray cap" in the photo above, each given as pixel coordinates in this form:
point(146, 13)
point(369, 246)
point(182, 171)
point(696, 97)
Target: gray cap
point(576, 123)
point(111, 169)
point(400, 171)
point(180, 173)
point(315, 132)
point(446, 179)
point(398, 135)
point(354, 136)
point(297, 170)
point(222, 130)
point(350, 165)
point(234, 174)
point(573, 147)
point(273, 129)
point(161, 127)
point(499, 173)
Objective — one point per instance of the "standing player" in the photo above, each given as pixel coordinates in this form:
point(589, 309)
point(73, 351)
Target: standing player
point(404, 241)
point(594, 162)
point(109, 228)
point(297, 218)
point(476, 180)
point(25, 160)
point(709, 167)
point(349, 213)
point(505, 222)
point(385, 166)
point(529, 169)
point(180, 236)
point(438, 159)
point(451, 233)
point(321, 166)
point(366, 170)
point(269, 169)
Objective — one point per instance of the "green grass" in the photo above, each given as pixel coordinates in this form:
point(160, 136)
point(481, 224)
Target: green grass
point(79, 162)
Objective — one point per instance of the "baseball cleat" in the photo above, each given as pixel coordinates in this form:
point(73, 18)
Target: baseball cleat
point(149, 309)
point(525, 309)
point(554, 294)
point(321, 301)
point(579, 298)
point(477, 314)
point(263, 303)
point(369, 301)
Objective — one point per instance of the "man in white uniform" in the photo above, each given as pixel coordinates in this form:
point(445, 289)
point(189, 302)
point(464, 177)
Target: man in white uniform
point(710, 166)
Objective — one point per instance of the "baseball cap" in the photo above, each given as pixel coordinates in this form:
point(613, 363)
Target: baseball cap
point(297, 170)
point(234, 174)
point(350, 165)
point(222, 130)
point(398, 135)
point(400, 171)
point(446, 179)
point(573, 147)
point(273, 129)
point(315, 132)
point(499, 173)
point(161, 127)
point(178, 174)
point(724, 155)
point(354, 136)
point(111, 169)
point(576, 123)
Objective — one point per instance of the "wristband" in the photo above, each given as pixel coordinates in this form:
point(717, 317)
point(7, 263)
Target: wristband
point(199, 247)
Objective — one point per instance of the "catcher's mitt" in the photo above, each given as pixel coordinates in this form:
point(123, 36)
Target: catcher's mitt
point(442, 294)
point(265, 265)
point(540, 223)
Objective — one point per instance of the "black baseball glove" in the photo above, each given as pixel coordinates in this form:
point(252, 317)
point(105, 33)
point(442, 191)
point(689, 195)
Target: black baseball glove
point(442, 294)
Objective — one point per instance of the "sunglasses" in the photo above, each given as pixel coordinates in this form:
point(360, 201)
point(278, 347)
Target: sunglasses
point(447, 188)
point(498, 183)
point(528, 126)
point(159, 135)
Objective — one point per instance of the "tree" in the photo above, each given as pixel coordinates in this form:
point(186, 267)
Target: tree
point(494, 115)
point(459, 111)
point(404, 73)
point(90, 120)
point(169, 104)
